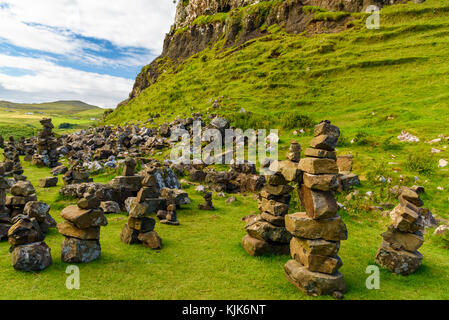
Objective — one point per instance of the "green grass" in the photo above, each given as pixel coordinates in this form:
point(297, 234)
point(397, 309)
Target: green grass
point(16, 120)
point(357, 79)
point(203, 259)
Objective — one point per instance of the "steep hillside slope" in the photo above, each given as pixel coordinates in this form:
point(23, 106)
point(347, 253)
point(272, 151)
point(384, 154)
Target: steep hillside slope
point(372, 83)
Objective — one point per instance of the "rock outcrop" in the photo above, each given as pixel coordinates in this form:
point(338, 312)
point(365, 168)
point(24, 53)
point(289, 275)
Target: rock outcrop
point(200, 23)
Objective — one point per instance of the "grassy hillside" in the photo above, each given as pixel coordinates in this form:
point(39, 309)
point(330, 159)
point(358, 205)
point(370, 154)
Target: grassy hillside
point(23, 119)
point(371, 83)
point(57, 107)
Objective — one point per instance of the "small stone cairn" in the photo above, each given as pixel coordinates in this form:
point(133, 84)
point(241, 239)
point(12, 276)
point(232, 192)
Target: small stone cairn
point(28, 250)
point(317, 232)
point(77, 174)
point(81, 229)
point(267, 233)
point(398, 251)
point(140, 226)
point(208, 205)
point(47, 145)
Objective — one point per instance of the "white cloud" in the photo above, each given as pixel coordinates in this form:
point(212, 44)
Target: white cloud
point(136, 23)
point(49, 82)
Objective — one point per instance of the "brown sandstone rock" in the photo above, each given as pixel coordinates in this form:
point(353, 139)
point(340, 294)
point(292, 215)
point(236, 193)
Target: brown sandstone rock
point(318, 166)
point(313, 283)
point(31, 257)
point(318, 204)
point(302, 226)
point(80, 251)
point(403, 240)
point(142, 225)
point(70, 230)
point(129, 236)
point(398, 261)
point(323, 182)
point(263, 230)
point(273, 207)
point(151, 240)
point(84, 219)
point(316, 247)
point(319, 153)
point(324, 142)
point(326, 128)
point(256, 247)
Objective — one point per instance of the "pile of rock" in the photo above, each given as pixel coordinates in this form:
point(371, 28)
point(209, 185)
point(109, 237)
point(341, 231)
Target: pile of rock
point(81, 230)
point(208, 205)
point(77, 174)
point(317, 232)
point(175, 198)
point(398, 251)
point(46, 154)
point(28, 250)
point(5, 222)
point(267, 233)
point(22, 193)
point(12, 163)
point(140, 226)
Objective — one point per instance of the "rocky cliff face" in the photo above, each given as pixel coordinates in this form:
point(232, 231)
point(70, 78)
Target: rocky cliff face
point(200, 23)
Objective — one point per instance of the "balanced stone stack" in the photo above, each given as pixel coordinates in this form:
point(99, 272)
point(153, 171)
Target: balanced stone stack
point(5, 222)
point(267, 233)
point(77, 174)
point(208, 205)
point(28, 250)
point(12, 163)
point(47, 145)
point(140, 226)
point(398, 251)
point(317, 232)
point(22, 193)
point(82, 230)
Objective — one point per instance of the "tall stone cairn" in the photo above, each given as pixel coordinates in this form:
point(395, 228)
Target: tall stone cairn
point(81, 229)
point(317, 232)
point(398, 251)
point(140, 226)
point(267, 233)
point(47, 145)
point(12, 163)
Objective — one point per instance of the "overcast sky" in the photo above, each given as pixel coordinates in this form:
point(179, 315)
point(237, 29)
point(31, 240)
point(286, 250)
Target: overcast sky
point(89, 50)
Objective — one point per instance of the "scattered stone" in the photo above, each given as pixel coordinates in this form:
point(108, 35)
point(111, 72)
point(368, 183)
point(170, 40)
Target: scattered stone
point(48, 182)
point(110, 207)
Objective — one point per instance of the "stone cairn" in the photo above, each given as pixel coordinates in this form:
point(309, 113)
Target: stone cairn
point(398, 251)
point(47, 145)
point(140, 226)
point(267, 233)
point(5, 222)
point(81, 229)
point(175, 198)
point(77, 174)
point(317, 232)
point(12, 163)
point(28, 250)
point(208, 205)
point(2, 142)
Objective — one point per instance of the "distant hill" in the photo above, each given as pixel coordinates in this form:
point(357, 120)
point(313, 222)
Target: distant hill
point(57, 107)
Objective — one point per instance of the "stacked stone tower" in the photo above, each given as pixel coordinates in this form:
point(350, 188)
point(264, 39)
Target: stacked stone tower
point(398, 251)
point(82, 229)
point(317, 232)
point(47, 145)
point(28, 250)
point(140, 226)
point(267, 233)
